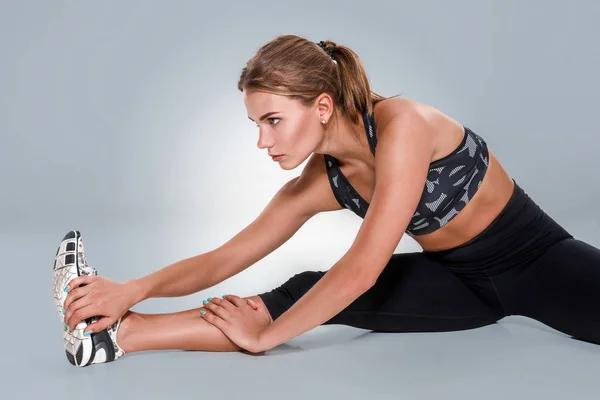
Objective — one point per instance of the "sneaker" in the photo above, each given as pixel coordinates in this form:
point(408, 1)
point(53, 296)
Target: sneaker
point(81, 350)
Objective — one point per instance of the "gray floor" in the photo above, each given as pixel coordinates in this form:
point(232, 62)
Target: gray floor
point(515, 358)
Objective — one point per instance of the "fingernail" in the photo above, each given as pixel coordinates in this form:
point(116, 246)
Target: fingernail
point(65, 289)
point(87, 333)
point(202, 312)
point(209, 298)
point(63, 311)
point(64, 325)
point(225, 295)
point(204, 301)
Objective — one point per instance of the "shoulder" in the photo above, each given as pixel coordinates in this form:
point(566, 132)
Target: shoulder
point(401, 119)
point(398, 108)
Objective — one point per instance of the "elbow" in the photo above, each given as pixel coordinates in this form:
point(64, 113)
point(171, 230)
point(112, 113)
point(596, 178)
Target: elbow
point(361, 284)
point(369, 283)
point(354, 279)
point(354, 287)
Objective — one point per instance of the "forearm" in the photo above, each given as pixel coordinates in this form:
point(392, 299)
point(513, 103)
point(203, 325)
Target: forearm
point(182, 278)
point(335, 291)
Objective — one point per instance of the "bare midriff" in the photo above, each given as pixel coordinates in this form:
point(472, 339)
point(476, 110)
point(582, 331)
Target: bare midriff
point(487, 203)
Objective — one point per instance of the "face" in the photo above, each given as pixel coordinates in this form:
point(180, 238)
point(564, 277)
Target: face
point(287, 127)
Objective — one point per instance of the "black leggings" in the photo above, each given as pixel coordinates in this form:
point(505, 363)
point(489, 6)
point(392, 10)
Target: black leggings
point(524, 263)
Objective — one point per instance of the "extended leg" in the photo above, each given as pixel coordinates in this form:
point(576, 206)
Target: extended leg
point(185, 330)
point(561, 289)
point(413, 294)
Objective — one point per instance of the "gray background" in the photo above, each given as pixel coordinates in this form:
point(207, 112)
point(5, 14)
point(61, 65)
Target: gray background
point(122, 119)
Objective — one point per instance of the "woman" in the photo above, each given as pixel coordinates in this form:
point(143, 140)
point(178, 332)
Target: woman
point(488, 250)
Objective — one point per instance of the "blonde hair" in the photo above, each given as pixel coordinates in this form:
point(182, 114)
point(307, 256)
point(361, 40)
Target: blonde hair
point(300, 69)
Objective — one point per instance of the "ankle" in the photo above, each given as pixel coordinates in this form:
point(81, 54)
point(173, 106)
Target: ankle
point(129, 324)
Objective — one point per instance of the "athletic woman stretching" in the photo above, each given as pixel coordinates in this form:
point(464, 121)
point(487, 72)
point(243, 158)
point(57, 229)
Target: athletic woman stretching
point(489, 251)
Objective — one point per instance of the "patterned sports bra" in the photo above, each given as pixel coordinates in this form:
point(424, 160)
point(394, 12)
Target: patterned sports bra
point(451, 182)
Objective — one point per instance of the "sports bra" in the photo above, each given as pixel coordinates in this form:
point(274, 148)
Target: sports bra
point(451, 182)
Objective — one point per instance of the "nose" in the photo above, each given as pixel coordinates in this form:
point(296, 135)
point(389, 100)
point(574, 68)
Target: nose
point(264, 142)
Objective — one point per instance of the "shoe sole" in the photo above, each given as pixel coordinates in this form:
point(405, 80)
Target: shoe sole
point(70, 257)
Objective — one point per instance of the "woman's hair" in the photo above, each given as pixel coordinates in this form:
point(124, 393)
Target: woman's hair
point(302, 70)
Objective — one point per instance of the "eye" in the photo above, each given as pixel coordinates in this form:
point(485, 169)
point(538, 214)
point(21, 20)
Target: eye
point(270, 119)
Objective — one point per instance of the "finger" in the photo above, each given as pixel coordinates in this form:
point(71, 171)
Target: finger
point(236, 300)
point(75, 295)
point(217, 309)
point(252, 304)
point(74, 307)
point(240, 302)
point(80, 280)
point(99, 325)
point(226, 304)
point(216, 321)
point(204, 310)
point(81, 314)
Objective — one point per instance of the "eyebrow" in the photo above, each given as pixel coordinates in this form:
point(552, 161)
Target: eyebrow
point(264, 116)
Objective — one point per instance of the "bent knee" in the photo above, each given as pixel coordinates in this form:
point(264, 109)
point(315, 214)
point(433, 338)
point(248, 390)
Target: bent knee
point(261, 307)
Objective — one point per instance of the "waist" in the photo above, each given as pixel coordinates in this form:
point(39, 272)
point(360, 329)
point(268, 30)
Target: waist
point(491, 198)
point(519, 234)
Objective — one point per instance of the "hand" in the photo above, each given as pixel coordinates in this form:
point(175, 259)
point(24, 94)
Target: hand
point(239, 320)
point(90, 296)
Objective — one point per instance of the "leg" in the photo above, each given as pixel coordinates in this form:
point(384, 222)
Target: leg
point(560, 289)
point(185, 330)
point(413, 294)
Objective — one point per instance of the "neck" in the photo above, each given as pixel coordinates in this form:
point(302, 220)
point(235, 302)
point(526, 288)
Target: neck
point(347, 142)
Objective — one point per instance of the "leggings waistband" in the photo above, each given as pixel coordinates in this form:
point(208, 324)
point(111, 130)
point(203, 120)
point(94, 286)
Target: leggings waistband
point(519, 234)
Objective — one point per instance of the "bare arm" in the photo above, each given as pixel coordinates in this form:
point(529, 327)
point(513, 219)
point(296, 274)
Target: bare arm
point(294, 204)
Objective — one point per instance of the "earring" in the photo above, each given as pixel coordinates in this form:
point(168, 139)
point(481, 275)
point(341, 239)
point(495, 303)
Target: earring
point(323, 121)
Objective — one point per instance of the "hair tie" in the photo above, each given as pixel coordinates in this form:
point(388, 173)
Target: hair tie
point(328, 50)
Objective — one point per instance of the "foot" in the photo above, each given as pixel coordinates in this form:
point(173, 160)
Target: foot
point(81, 350)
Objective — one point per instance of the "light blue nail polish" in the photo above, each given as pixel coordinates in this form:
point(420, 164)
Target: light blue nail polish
point(225, 295)
point(87, 333)
point(204, 301)
point(65, 289)
point(202, 312)
point(209, 298)
point(64, 325)
point(63, 311)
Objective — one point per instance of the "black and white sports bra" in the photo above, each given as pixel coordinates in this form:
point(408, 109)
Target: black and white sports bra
point(451, 182)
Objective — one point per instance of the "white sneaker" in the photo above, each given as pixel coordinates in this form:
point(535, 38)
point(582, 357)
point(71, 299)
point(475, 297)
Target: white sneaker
point(81, 350)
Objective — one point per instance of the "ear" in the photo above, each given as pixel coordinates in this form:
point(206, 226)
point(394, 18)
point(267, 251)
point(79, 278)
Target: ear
point(324, 106)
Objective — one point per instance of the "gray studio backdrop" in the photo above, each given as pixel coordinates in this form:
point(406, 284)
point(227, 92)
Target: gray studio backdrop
point(122, 119)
